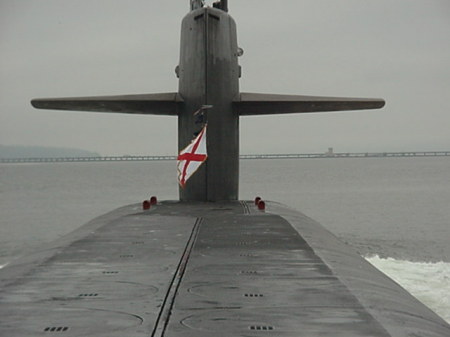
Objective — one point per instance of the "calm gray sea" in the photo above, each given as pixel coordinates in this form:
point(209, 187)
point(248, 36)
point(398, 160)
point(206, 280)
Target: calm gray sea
point(395, 209)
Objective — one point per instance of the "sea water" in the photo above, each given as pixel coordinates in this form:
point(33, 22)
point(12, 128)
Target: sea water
point(429, 282)
point(394, 211)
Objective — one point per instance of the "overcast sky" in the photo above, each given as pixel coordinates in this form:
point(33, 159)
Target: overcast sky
point(398, 50)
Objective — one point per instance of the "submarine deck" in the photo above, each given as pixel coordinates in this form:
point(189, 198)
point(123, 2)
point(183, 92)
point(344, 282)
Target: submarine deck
point(203, 269)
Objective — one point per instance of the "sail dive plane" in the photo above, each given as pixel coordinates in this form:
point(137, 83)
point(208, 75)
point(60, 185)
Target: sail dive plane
point(207, 264)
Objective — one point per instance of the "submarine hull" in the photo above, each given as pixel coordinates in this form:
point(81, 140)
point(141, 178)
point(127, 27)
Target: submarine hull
point(202, 269)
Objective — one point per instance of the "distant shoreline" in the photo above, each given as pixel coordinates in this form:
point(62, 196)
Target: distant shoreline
point(23, 151)
point(327, 155)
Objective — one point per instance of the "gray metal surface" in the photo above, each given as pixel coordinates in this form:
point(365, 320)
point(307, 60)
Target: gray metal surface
point(205, 269)
point(248, 104)
point(209, 75)
point(146, 104)
point(108, 279)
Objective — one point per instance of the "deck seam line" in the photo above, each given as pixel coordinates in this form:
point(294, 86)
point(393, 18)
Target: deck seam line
point(245, 207)
point(166, 309)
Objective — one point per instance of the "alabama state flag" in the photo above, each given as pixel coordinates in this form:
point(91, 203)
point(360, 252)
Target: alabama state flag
point(191, 157)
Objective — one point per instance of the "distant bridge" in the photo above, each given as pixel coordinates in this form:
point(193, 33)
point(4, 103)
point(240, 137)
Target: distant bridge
point(245, 156)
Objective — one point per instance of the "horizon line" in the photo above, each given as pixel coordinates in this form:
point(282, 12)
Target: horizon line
point(328, 154)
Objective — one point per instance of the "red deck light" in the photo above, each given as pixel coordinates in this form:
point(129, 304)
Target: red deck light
point(153, 200)
point(146, 205)
point(261, 205)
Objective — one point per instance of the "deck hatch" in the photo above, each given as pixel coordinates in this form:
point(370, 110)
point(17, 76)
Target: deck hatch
point(88, 295)
point(244, 243)
point(261, 327)
point(56, 329)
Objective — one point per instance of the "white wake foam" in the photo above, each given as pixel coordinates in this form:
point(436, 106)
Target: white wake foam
point(428, 282)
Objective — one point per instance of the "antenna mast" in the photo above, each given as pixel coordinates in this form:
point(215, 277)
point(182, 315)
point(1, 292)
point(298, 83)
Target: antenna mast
point(196, 4)
point(222, 4)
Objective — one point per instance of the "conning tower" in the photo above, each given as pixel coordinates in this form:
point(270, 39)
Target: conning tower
point(209, 75)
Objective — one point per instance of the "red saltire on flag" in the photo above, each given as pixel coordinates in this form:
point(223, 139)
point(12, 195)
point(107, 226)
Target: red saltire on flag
point(191, 157)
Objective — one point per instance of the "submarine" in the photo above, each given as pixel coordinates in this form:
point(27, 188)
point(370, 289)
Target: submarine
point(208, 264)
